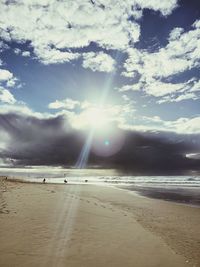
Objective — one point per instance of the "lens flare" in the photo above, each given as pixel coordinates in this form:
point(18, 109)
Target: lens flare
point(108, 143)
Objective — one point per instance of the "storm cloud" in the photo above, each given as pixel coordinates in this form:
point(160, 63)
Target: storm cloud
point(29, 141)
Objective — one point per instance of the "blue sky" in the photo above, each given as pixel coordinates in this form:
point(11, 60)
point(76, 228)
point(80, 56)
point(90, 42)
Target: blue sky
point(58, 58)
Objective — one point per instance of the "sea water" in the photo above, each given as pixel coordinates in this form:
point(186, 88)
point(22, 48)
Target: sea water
point(97, 176)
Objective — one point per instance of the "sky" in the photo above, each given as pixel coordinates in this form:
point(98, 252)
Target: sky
point(100, 83)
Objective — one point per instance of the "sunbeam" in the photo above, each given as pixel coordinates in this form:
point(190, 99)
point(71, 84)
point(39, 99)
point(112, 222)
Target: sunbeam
point(97, 122)
point(83, 158)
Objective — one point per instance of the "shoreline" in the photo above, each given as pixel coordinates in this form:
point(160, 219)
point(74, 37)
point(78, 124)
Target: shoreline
point(181, 195)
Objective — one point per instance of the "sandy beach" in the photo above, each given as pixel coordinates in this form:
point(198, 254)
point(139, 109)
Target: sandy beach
point(88, 225)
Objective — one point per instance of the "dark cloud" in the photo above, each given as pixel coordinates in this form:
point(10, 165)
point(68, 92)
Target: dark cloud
point(53, 142)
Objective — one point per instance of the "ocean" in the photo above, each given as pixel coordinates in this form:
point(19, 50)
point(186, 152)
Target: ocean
point(98, 176)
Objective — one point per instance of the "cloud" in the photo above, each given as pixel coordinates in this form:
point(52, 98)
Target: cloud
point(158, 89)
point(175, 34)
point(28, 140)
point(195, 86)
point(185, 125)
point(26, 54)
point(193, 155)
point(29, 137)
point(182, 53)
point(95, 116)
point(84, 115)
point(81, 115)
point(7, 78)
point(161, 64)
point(187, 96)
point(54, 27)
point(180, 126)
point(3, 47)
point(54, 56)
point(98, 62)
point(5, 139)
point(5, 75)
point(21, 109)
point(6, 96)
point(165, 7)
point(64, 104)
point(132, 87)
point(124, 116)
point(18, 51)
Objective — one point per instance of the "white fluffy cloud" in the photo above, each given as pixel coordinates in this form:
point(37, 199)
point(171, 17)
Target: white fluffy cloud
point(54, 56)
point(195, 87)
point(159, 89)
point(25, 53)
point(64, 104)
point(82, 114)
point(132, 87)
point(5, 75)
point(21, 108)
point(181, 125)
point(52, 26)
point(182, 53)
point(6, 96)
point(7, 78)
point(184, 125)
point(98, 62)
point(102, 116)
point(3, 47)
point(179, 98)
point(165, 7)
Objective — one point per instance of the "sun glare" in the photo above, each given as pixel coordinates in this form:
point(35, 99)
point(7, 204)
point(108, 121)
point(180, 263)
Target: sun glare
point(94, 118)
point(97, 118)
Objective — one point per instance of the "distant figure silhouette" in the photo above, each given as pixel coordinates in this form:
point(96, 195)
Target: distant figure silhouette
point(65, 181)
point(44, 181)
point(86, 181)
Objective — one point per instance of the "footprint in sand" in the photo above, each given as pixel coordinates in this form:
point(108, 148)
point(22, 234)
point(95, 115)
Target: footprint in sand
point(2, 211)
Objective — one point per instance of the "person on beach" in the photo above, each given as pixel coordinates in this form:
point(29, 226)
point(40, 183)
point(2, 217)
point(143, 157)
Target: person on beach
point(65, 181)
point(44, 181)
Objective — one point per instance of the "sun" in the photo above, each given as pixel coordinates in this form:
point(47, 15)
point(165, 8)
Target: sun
point(93, 118)
point(96, 118)
point(103, 136)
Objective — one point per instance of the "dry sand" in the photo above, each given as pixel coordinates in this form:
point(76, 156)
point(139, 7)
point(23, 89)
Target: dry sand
point(93, 226)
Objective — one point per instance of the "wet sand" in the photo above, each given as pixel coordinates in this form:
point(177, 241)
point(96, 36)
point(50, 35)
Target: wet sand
point(184, 195)
point(86, 225)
